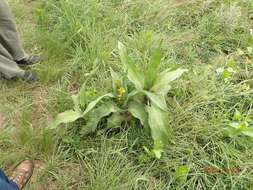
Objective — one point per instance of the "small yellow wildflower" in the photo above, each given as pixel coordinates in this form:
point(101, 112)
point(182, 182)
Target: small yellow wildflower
point(121, 92)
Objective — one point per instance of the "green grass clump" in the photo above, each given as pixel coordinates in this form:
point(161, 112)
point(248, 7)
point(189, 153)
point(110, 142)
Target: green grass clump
point(78, 40)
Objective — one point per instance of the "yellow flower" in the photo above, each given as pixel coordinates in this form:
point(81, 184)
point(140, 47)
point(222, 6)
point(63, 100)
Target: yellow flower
point(121, 92)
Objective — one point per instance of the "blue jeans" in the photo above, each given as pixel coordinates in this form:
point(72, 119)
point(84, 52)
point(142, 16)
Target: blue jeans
point(5, 183)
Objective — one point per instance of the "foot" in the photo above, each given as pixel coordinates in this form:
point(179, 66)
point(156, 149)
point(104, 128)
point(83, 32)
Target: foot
point(23, 173)
point(29, 60)
point(30, 77)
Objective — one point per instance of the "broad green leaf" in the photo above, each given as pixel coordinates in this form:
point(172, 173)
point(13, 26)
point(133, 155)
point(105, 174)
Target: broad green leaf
point(170, 76)
point(165, 90)
point(123, 53)
point(115, 120)
point(235, 125)
point(153, 67)
point(237, 116)
point(138, 111)
point(131, 96)
point(158, 125)
point(133, 74)
point(232, 131)
point(157, 100)
point(250, 50)
point(182, 173)
point(65, 117)
point(115, 80)
point(158, 148)
point(248, 131)
point(82, 95)
point(114, 75)
point(76, 102)
point(94, 103)
point(96, 115)
point(235, 128)
point(161, 85)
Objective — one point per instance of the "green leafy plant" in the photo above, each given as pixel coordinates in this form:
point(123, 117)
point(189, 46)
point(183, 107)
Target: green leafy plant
point(240, 125)
point(136, 95)
point(226, 73)
point(182, 173)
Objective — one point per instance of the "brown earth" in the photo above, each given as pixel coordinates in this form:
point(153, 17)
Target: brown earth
point(2, 120)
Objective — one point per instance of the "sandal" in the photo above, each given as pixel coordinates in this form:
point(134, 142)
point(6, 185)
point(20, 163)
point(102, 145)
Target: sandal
point(23, 173)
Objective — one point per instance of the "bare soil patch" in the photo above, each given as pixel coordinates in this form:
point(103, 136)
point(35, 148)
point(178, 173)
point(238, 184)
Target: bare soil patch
point(2, 120)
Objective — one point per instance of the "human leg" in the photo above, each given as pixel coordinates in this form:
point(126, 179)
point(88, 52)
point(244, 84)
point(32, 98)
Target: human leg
point(9, 36)
point(5, 183)
point(8, 67)
point(11, 50)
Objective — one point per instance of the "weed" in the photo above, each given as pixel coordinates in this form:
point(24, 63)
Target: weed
point(141, 97)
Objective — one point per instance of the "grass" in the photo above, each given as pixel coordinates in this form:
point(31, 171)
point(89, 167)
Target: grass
point(78, 41)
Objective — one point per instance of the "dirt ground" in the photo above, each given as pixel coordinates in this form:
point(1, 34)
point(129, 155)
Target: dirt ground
point(2, 120)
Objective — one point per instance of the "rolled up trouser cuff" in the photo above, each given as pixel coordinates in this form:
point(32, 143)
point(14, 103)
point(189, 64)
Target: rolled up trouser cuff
point(9, 68)
point(21, 57)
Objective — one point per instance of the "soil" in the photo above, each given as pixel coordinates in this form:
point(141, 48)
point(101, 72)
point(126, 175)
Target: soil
point(2, 120)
